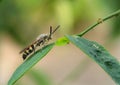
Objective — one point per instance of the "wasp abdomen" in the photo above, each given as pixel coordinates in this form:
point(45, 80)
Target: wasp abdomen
point(28, 51)
point(24, 56)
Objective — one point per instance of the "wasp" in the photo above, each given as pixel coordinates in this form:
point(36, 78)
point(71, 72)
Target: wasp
point(40, 40)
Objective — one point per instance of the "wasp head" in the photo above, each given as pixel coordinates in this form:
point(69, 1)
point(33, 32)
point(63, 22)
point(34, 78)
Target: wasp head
point(41, 39)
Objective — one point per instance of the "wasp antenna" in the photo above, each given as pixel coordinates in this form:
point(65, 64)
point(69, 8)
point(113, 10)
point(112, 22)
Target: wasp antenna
point(56, 28)
point(50, 33)
point(50, 30)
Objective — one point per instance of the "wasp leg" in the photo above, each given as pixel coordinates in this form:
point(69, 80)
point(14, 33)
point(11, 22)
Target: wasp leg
point(45, 43)
point(40, 42)
point(34, 50)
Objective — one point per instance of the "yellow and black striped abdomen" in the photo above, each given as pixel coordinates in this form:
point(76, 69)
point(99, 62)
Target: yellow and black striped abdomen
point(28, 51)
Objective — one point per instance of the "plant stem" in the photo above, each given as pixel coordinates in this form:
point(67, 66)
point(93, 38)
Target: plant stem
point(100, 20)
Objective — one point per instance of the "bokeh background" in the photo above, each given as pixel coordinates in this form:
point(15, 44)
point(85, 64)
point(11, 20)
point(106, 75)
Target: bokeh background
point(21, 21)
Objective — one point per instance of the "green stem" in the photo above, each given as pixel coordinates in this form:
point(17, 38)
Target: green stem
point(99, 21)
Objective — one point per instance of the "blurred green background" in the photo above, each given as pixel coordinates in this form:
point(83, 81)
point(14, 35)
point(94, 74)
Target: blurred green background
point(21, 21)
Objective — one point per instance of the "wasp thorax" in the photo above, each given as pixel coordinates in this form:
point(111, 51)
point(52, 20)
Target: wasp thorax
point(42, 36)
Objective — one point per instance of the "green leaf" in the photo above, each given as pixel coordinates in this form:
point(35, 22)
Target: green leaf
point(29, 63)
point(39, 77)
point(99, 54)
